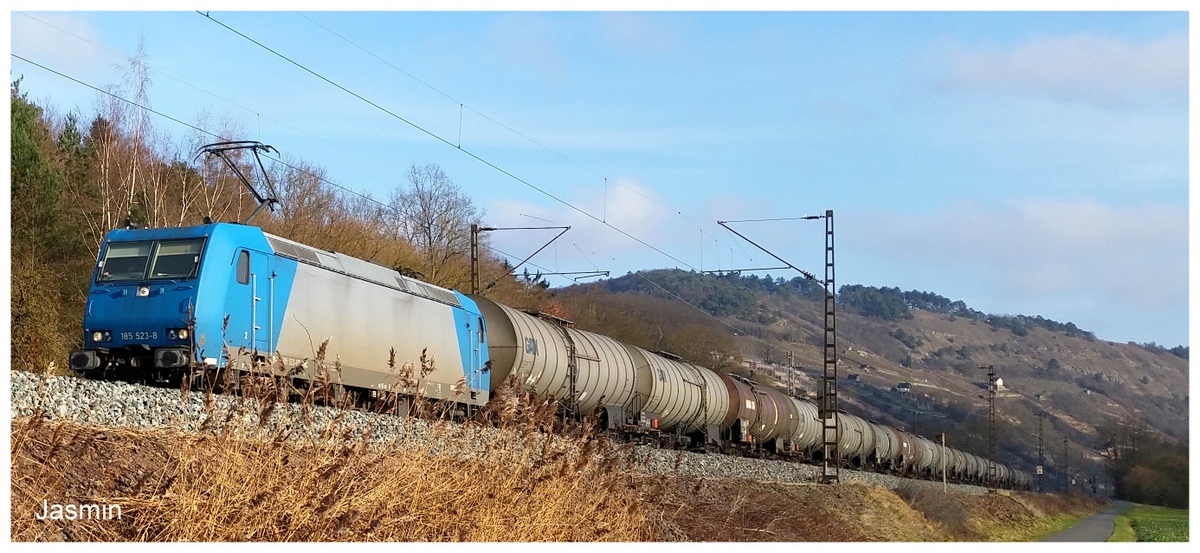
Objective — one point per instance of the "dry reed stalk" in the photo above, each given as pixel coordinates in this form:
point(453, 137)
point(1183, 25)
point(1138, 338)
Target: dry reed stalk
point(529, 480)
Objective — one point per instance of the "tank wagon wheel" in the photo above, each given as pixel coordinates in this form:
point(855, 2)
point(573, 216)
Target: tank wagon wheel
point(343, 397)
point(391, 403)
point(460, 413)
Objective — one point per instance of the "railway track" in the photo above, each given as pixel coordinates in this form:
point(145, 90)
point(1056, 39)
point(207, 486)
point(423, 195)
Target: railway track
point(117, 404)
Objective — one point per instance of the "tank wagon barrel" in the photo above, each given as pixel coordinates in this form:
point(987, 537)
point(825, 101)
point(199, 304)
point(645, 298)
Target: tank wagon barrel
point(908, 454)
point(887, 449)
point(959, 465)
point(857, 440)
point(808, 427)
point(771, 411)
point(743, 404)
point(580, 369)
point(978, 467)
point(683, 396)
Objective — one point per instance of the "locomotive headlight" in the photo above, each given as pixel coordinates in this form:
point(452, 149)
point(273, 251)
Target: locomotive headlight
point(177, 334)
point(143, 291)
point(97, 336)
point(183, 334)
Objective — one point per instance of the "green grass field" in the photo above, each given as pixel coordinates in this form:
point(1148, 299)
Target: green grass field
point(1151, 524)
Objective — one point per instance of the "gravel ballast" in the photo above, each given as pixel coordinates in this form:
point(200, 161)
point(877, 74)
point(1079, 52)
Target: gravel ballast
point(123, 405)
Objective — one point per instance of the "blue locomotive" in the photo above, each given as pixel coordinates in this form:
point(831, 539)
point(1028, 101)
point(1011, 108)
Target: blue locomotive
point(228, 295)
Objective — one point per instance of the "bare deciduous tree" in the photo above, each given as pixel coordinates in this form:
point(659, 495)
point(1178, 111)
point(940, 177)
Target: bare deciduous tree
point(436, 217)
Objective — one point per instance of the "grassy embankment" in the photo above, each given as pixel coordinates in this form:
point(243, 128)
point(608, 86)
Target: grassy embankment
point(1151, 523)
point(1002, 516)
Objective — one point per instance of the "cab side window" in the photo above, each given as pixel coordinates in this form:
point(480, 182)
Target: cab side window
point(243, 267)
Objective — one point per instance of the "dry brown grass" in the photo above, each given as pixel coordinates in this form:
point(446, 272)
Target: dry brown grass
point(1015, 516)
point(242, 483)
point(240, 479)
point(733, 510)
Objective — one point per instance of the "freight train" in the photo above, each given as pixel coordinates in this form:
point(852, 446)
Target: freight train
point(222, 295)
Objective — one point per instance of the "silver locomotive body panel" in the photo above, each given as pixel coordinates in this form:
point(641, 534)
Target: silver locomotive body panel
point(365, 321)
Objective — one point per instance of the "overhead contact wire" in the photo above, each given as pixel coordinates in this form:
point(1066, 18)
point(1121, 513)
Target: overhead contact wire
point(210, 93)
point(272, 158)
point(601, 220)
point(439, 138)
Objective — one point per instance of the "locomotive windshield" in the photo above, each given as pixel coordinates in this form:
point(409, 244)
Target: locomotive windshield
point(150, 260)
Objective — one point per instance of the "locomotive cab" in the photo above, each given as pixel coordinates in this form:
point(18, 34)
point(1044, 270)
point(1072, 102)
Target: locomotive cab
point(146, 303)
point(140, 302)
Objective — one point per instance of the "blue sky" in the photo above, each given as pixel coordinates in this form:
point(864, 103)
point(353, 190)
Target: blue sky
point(1032, 162)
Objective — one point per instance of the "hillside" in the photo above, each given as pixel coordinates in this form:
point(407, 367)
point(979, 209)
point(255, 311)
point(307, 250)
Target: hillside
point(1084, 384)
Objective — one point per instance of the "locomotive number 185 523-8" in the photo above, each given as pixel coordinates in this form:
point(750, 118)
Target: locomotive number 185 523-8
point(139, 335)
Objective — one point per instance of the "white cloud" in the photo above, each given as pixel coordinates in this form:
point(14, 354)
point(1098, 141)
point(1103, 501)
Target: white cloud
point(1103, 70)
point(1083, 253)
point(43, 37)
point(628, 205)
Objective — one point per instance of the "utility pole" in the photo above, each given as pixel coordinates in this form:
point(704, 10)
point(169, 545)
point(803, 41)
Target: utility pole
point(474, 259)
point(945, 488)
point(829, 396)
point(827, 399)
point(1066, 468)
point(991, 422)
point(476, 229)
point(1041, 456)
point(791, 375)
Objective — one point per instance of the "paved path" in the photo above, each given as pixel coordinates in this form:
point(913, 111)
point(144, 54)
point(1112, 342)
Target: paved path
point(1097, 527)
